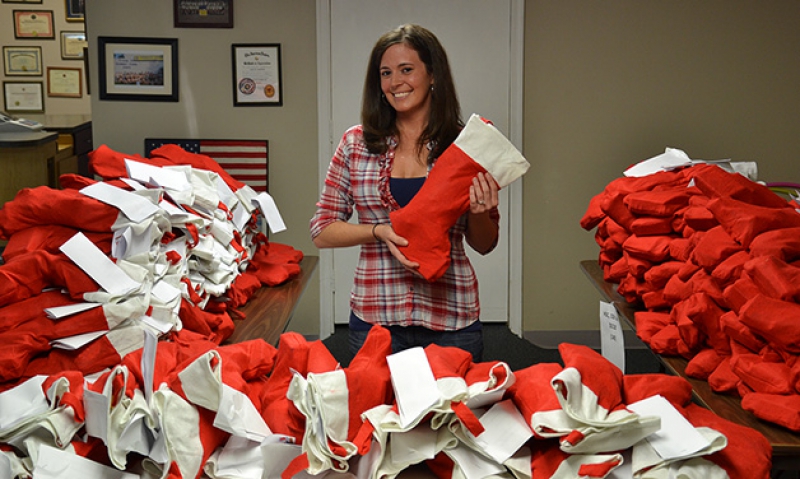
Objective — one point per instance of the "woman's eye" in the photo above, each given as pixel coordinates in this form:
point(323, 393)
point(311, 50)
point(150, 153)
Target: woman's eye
point(407, 70)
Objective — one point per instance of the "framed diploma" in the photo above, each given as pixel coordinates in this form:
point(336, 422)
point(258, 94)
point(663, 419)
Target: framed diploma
point(22, 61)
point(64, 82)
point(75, 10)
point(203, 14)
point(23, 97)
point(33, 24)
point(138, 69)
point(72, 44)
point(257, 75)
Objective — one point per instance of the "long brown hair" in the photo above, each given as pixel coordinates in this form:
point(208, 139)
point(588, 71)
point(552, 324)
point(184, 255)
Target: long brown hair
point(444, 117)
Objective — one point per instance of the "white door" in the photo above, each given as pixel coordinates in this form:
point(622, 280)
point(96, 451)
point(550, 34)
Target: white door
point(483, 40)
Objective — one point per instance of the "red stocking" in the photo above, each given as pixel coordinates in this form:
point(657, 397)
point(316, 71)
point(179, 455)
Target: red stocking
point(444, 196)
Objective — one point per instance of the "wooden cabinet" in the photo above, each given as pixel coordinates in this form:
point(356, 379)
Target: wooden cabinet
point(25, 159)
point(74, 145)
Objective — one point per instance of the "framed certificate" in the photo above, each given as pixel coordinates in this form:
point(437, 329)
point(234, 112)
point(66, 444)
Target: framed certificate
point(72, 45)
point(257, 75)
point(22, 61)
point(33, 24)
point(23, 97)
point(205, 14)
point(75, 10)
point(64, 82)
point(138, 69)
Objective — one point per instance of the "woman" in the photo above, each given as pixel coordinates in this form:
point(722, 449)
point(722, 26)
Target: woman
point(410, 114)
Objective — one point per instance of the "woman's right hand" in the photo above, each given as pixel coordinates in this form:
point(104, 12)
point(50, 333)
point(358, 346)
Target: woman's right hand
point(385, 233)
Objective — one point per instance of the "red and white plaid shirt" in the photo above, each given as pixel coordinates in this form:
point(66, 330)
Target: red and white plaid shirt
point(384, 292)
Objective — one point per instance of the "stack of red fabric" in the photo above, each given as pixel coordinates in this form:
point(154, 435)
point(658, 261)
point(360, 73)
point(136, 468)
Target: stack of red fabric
point(713, 259)
point(199, 257)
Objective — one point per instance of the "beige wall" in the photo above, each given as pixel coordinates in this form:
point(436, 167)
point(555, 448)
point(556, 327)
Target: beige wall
point(51, 57)
point(606, 84)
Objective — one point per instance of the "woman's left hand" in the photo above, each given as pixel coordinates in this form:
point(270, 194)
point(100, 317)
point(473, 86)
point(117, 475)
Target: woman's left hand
point(482, 193)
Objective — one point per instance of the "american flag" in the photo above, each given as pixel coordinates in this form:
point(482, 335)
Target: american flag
point(245, 160)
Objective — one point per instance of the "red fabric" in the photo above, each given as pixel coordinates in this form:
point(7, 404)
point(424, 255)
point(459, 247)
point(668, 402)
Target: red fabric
point(27, 275)
point(783, 244)
point(737, 331)
point(49, 238)
point(425, 220)
point(703, 364)
point(714, 247)
point(663, 203)
point(744, 221)
point(774, 320)
point(762, 376)
point(636, 387)
point(699, 218)
point(730, 269)
point(659, 274)
point(652, 248)
point(715, 182)
point(774, 277)
point(648, 323)
point(723, 379)
point(174, 154)
point(778, 409)
point(532, 392)
point(47, 206)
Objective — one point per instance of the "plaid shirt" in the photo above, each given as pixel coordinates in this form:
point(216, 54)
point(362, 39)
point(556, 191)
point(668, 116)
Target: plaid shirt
point(384, 292)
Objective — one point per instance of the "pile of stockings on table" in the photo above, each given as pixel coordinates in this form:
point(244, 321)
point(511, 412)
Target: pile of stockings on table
point(250, 410)
point(158, 393)
point(712, 259)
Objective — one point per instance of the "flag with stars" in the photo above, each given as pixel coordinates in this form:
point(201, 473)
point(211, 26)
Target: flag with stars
point(245, 160)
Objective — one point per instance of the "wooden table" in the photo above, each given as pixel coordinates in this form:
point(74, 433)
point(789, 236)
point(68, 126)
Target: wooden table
point(269, 310)
point(785, 443)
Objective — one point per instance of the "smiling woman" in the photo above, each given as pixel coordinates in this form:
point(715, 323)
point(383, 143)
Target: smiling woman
point(410, 115)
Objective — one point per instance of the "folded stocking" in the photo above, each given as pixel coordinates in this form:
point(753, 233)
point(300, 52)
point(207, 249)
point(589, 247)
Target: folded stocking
point(444, 197)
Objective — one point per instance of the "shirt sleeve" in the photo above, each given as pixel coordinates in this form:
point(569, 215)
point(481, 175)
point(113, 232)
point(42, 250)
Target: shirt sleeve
point(336, 201)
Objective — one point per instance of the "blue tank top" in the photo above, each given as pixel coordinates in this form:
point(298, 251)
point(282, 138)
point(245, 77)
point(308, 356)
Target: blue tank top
point(403, 189)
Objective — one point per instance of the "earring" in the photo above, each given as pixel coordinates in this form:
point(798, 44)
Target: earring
point(431, 86)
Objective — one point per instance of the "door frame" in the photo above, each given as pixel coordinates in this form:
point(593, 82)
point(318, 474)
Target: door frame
point(326, 145)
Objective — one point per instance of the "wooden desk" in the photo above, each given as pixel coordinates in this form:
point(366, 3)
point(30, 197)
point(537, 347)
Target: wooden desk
point(25, 160)
point(785, 443)
point(270, 309)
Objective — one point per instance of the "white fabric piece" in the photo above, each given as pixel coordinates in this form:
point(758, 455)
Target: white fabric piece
point(489, 148)
point(645, 458)
point(600, 430)
point(179, 423)
point(324, 400)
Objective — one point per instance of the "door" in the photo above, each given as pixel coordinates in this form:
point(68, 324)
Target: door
point(483, 40)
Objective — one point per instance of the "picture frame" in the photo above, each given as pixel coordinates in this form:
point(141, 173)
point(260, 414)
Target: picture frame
point(33, 24)
point(23, 97)
point(23, 1)
point(138, 69)
point(75, 10)
point(22, 61)
point(257, 74)
point(65, 82)
point(205, 14)
point(72, 44)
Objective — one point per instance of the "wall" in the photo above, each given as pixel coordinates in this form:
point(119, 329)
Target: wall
point(607, 84)
point(206, 110)
point(51, 56)
point(611, 83)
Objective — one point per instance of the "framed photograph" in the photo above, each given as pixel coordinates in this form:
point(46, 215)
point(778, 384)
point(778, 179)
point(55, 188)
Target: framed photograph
point(64, 82)
point(86, 69)
point(138, 69)
point(72, 44)
point(257, 74)
point(21, 96)
point(33, 24)
point(75, 10)
point(203, 14)
point(22, 61)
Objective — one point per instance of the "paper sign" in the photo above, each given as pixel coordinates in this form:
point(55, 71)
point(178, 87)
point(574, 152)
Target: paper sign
point(270, 210)
point(135, 207)
point(78, 341)
point(671, 158)
point(612, 341)
point(58, 312)
point(505, 431)
point(415, 387)
point(677, 437)
point(97, 265)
